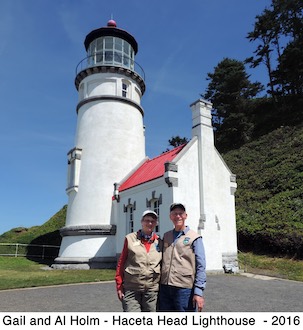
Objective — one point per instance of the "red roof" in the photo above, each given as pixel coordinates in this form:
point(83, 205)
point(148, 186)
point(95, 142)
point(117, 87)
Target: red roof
point(151, 169)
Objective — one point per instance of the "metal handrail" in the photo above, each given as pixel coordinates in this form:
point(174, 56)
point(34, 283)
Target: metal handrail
point(126, 62)
point(17, 253)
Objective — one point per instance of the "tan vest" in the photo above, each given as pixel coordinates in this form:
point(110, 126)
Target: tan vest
point(142, 269)
point(179, 263)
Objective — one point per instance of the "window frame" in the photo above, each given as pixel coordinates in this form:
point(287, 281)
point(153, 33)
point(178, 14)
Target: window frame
point(108, 50)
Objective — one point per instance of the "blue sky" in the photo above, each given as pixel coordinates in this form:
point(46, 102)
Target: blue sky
point(41, 43)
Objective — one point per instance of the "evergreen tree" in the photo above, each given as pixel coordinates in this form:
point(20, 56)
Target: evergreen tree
point(289, 72)
point(266, 30)
point(279, 31)
point(230, 91)
point(176, 141)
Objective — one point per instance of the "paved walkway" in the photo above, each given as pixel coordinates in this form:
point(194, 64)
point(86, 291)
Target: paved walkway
point(224, 293)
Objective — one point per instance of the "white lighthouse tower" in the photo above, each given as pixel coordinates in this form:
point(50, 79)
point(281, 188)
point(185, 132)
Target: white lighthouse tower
point(109, 143)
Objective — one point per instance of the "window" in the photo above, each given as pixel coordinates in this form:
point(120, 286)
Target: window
point(108, 59)
point(118, 58)
point(111, 51)
point(81, 92)
point(108, 47)
point(155, 206)
point(118, 43)
point(99, 50)
point(124, 89)
point(130, 216)
point(74, 162)
point(129, 211)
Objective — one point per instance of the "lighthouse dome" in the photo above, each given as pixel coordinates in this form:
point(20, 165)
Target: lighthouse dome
point(112, 23)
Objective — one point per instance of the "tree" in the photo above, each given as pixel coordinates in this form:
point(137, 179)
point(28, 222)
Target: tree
point(230, 92)
point(266, 30)
point(289, 14)
point(281, 25)
point(289, 72)
point(176, 141)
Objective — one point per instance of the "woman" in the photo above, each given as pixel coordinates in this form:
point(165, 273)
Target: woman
point(138, 269)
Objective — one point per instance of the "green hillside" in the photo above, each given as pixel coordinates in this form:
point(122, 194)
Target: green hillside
point(269, 204)
point(269, 198)
point(48, 233)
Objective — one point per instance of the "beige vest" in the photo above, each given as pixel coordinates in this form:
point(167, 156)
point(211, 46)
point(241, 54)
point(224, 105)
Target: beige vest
point(142, 269)
point(179, 263)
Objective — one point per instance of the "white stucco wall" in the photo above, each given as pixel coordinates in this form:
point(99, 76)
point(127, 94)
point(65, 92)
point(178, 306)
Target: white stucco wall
point(225, 206)
point(111, 136)
point(217, 202)
point(108, 84)
point(86, 247)
point(218, 230)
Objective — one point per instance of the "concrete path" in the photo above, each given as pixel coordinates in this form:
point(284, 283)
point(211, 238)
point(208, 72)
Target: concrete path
point(224, 293)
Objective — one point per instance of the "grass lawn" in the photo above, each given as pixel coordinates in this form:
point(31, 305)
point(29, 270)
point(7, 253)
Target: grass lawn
point(279, 267)
point(23, 273)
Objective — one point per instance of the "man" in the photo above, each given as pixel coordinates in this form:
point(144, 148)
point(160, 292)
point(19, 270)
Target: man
point(138, 269)
point(183, 277)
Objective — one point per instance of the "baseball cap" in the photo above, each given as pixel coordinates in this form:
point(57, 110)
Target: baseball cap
point(177, 206)
point(154, 214)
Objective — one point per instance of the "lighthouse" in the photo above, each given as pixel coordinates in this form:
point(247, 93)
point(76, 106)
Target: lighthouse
point(111, 181)
point(109, 144)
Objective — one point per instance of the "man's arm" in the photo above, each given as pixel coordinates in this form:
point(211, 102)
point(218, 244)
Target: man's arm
point(200, 277)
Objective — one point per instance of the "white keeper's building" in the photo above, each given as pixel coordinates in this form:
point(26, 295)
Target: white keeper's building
point(111, 181)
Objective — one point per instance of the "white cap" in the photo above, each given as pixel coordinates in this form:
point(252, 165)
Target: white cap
point(149, 212)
